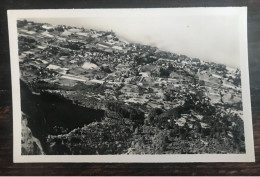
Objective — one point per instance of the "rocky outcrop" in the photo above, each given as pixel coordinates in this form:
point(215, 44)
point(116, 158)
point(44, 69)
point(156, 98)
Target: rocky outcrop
point(30, 144)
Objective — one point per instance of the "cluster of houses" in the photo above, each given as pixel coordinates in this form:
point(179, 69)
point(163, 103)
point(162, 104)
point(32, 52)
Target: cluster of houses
point(132, 74)
point(98, 57)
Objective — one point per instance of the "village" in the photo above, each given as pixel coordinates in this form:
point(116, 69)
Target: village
point(85, 64)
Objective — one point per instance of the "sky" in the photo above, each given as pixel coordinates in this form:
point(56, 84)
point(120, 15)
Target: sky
point(208, 36)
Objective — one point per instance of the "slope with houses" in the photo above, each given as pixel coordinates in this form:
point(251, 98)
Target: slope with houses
point(184, 105)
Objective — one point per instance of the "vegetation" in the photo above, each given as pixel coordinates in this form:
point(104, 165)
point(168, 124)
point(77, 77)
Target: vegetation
point(146, 101)
point(106, 137)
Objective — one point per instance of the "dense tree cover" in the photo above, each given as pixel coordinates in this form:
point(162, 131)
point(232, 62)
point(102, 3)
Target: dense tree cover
point(107, 137)
point(168, 137)
point(25, 43)
point(144, 60)
point(170, 95)
point(126, 111)
point(94, 88)
point(26, 39)
point(164, 72)
point(21, 23)
point(106, 69)
point(221, 132)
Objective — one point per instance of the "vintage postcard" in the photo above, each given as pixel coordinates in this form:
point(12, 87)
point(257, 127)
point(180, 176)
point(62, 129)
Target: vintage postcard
point(131, 85)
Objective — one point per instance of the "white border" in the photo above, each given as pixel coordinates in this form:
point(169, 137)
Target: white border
point(13, 15)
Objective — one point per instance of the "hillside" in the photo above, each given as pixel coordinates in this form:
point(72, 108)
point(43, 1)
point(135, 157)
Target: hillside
point(147, 101)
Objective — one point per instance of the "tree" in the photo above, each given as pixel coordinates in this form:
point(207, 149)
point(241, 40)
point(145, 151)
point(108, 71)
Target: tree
point(237, 80)
point(59, 28)
point(164, 72)
point(153, 113)
point(50, 30)
point(21, 24)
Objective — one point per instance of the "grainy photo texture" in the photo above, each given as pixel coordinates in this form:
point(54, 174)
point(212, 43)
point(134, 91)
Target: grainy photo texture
point(130, 85)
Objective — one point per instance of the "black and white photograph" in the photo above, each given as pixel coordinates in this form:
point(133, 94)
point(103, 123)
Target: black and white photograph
point(131, 85)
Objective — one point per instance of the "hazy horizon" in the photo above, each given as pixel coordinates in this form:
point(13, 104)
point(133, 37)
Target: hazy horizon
point(213, 38)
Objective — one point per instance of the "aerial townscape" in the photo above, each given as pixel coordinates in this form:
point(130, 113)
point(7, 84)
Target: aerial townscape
point(89, 92)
